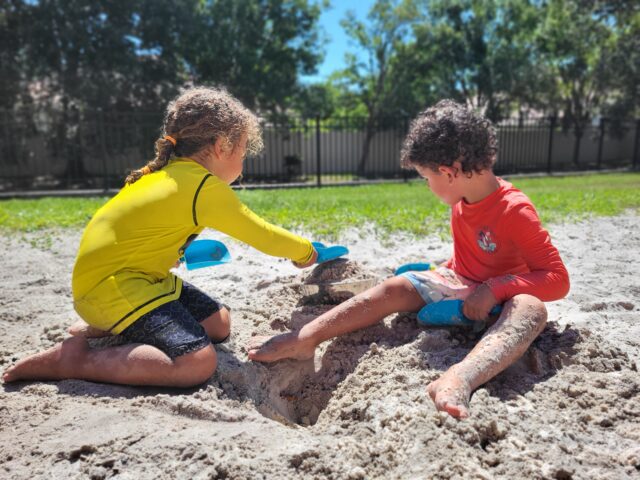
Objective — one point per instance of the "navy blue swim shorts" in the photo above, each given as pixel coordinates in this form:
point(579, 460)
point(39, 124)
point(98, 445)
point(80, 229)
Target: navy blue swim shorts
point(175, 327)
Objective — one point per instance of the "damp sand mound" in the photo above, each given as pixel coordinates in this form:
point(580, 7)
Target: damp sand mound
point(569, 409)
point(336, 281)
point(336, 271)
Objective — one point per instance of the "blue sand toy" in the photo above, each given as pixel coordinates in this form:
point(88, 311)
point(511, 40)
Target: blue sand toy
point(449, 313)
point(413, 267)
point(205, 253)
point(329, 253)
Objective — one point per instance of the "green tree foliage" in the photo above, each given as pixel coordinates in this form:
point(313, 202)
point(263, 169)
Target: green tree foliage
point(576, 46)
point(82, 53)
point(255, 47)
point(478, 53)
point(78, 56)
point(624, 59)
point(11, 76)
point(315, 100)
point(366, 80)
point(70, 58)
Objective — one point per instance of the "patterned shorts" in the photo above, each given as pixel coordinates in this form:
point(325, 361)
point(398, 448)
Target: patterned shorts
point(175, 327)
point(440, 284)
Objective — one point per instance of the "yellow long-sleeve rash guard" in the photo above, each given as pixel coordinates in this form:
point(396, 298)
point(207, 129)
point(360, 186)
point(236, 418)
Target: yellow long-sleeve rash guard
point(122, 268)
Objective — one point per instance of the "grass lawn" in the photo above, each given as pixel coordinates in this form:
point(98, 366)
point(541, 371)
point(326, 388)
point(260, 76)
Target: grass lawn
point(409, 207)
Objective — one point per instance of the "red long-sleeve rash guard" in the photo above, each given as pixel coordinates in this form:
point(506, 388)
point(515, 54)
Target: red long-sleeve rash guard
point(501, 242)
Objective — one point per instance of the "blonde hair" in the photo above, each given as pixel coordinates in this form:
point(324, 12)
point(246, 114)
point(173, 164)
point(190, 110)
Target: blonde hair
point(198, 117)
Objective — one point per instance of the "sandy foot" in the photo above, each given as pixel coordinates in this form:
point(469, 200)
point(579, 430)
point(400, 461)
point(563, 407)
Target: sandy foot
point(50, 364)
point(83, 329)
point(451, 395)
point(271, 349)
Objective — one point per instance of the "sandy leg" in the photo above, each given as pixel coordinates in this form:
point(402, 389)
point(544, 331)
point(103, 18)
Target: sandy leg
point(83, 329)
point(365, 309)
point(521, 321)
point(135, 364)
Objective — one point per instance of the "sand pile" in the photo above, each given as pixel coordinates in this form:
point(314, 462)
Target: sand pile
point(336, 281)
point(570, 408)
point(339, 270)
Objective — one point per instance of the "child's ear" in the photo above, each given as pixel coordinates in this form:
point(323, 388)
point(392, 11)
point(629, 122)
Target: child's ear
point(450, 172)
point(222, 147)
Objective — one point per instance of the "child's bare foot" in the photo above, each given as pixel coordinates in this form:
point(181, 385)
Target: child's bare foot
point(57, 363)
point(83, 329)
point(288, 345)
point(450, 394)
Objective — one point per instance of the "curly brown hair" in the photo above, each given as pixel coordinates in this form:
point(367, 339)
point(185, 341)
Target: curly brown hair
point(447, 132)
point(198, 117)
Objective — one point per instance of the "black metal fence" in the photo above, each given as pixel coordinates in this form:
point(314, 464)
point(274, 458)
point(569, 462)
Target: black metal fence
point(96, 150)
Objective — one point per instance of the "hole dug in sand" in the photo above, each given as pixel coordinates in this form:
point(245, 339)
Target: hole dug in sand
point(295, 396)
point(303, 389)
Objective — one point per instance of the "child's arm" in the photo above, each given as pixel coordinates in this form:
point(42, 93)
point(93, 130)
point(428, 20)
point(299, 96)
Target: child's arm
point(218, 207)
point(548, 278)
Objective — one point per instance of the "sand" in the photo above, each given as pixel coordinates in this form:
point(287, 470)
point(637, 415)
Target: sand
point(570, 408)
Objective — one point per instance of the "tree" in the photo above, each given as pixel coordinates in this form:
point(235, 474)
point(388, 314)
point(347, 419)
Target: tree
point(368, 79)
point(478, 53)
point(78, 56)
point(315, 100)
point(255, 47)
point(11, 78)
point(575, 46)
point(623, 57)
point(73, 57)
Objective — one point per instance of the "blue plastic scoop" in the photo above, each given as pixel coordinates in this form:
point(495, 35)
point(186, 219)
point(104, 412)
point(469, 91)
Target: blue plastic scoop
point(205, 253)
point(326, 254)
point(448, 313)
point(414, 267)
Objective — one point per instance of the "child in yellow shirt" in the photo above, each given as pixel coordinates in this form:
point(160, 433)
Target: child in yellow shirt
point(122, 283)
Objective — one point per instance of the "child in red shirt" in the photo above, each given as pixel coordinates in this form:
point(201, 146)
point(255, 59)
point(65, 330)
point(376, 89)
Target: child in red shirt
point(501, 255)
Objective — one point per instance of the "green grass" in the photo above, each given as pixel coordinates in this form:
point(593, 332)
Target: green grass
point(390, 207)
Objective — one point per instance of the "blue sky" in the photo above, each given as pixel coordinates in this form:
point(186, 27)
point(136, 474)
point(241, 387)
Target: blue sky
point(338, 42)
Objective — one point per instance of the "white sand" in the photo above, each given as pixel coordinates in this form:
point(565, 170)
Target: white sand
point(569, 409)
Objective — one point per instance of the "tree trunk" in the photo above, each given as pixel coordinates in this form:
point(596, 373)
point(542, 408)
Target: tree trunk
point(369, 134)
point(576, 146)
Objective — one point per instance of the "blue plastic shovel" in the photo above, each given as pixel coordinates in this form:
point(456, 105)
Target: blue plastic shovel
point(205, 253)
point(414, 267)
point(448, 313)
point(326, 254)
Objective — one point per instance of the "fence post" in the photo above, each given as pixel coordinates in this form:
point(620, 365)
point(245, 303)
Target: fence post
point(405, 131)
point(635, 146)
point(318, 153)
point(552, 127)
point(599, 163)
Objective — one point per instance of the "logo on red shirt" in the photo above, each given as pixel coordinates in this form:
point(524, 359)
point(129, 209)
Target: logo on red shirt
point(486, 240)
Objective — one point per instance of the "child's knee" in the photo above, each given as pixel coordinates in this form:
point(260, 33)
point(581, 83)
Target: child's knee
point(196, 367)
point(397, 287)
point(531, 309)
point(401, 295)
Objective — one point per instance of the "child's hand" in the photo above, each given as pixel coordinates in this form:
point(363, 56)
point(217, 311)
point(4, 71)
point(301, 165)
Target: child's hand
point(311, 261)
point(478, 305)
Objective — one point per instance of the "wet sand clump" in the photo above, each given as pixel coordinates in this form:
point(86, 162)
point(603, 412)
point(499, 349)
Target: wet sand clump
point(339, 270)
point(336, 281)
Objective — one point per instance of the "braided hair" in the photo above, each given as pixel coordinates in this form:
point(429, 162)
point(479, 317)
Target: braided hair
point(198, 117)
